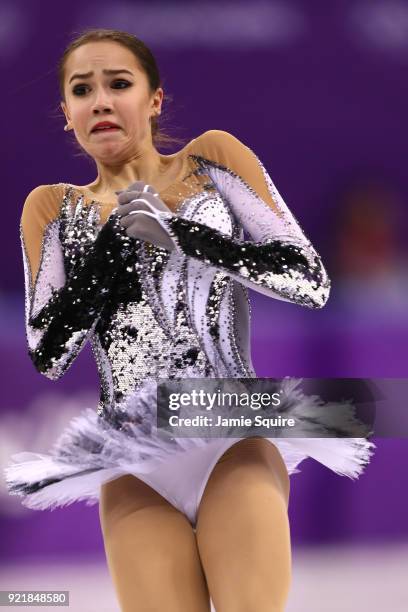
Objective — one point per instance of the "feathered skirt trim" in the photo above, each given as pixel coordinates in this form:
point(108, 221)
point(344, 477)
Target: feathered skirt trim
point(93, 450)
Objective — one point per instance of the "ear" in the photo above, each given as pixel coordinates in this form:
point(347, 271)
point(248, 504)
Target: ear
point(65, 110)
point(157, 100)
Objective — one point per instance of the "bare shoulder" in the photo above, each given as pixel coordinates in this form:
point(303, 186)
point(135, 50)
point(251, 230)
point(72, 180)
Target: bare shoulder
point(220, 147)
point(216, 139)
point(44, 192)
point(43, 201)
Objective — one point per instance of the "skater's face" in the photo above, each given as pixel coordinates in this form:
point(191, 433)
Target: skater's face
point(103, 81)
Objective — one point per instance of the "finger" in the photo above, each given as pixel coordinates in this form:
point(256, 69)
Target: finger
point(148, 197)
point(141, 186)
point(129, 220)
point(150, 189)
point(141, 204)
point(137, 222)
point(152, 198)
point(125, 209)
point(128, 196)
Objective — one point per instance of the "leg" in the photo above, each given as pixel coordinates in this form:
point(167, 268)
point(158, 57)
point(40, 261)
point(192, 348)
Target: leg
point(151, 550)
point(243, 530)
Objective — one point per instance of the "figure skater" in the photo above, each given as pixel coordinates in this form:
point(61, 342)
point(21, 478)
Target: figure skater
point(150, 263)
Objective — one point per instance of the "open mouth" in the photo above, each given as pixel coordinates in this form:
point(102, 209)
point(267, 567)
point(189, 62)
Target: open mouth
point(109, 128)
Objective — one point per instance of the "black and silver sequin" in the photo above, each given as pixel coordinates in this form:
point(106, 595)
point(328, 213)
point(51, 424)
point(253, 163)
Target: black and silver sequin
point(150, 313)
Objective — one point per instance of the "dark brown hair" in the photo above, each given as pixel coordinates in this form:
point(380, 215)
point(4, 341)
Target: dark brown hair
point(146, 61)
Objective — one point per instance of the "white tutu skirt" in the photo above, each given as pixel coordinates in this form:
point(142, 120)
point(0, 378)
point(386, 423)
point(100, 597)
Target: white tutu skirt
point(93, 450)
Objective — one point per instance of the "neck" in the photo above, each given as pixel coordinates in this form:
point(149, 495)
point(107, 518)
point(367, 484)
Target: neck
point(146, 164)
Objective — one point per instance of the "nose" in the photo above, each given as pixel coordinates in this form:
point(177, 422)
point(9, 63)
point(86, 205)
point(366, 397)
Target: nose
point(102, 103)
point(101, 109)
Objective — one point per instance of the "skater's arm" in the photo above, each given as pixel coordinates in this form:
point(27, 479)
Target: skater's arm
point(278, 259)
point(62, 307)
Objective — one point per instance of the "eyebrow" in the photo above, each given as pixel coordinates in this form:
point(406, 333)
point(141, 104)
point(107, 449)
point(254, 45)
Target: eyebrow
point(105, 71)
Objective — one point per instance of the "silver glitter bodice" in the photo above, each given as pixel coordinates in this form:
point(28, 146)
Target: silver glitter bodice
point(150, 313)
point(134, 338)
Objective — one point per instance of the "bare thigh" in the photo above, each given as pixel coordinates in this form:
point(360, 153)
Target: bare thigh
point(243, 530)
point(243, 457)
point(151, 550)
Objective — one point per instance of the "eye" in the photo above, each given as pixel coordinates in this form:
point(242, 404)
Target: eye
point(120, 84)
point(81, 89)
point(78, 90)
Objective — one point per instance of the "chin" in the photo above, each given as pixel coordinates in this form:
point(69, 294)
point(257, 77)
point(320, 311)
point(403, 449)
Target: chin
point(108, 153)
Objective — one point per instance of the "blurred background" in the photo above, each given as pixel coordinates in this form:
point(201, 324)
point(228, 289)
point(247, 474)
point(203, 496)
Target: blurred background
point(318, 91)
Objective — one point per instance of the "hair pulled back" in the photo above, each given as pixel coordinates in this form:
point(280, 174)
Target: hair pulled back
point(146, 61)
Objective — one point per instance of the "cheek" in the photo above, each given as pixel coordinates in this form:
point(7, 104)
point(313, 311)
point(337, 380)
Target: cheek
point(80, 116)
point(136, 112)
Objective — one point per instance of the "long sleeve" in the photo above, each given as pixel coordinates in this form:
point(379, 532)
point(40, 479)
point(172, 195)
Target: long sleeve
point(62, 308)
point(278, 260)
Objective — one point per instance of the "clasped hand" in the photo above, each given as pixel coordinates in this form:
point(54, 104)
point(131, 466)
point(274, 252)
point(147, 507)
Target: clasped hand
point(135, 198)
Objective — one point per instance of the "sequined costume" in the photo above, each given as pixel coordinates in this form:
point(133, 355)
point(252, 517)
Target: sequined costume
point(150, 313)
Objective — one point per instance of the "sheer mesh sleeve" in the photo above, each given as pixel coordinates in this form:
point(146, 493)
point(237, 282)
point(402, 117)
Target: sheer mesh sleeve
point(278, 260)
point(61, 310)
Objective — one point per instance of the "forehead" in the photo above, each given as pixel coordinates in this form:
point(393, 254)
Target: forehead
point(99, 55)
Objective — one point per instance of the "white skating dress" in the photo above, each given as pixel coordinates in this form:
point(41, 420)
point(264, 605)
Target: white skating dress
point(150, 313)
